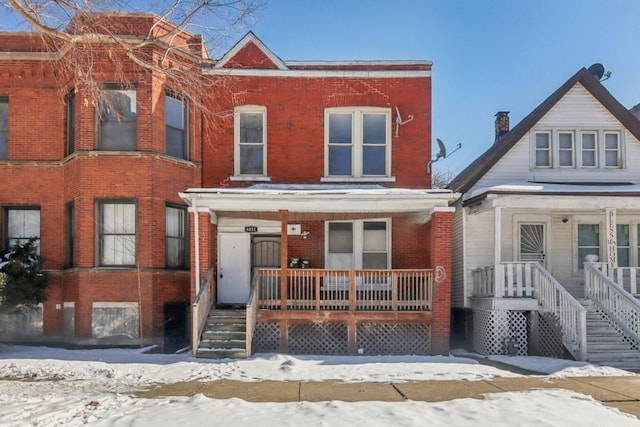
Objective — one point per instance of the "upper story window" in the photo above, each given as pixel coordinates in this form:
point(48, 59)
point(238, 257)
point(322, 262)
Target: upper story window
point(116, 233)
point(71, 117)
point(250, 140)
point(4, 127)
point(21, 224)
point(176, 135)
point(577, 148)
point(357, 142)
point(118, 120)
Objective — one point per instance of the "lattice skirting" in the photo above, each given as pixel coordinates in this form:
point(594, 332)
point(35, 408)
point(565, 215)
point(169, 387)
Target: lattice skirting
point(333, 338)
point(546, 336)
point(500, 332)
point(393, 338)
point(631, 318)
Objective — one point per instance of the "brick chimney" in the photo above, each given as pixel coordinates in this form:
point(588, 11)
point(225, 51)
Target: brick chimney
point(502, 124)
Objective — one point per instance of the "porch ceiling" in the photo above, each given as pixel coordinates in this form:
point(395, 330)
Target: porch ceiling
point(318, 204)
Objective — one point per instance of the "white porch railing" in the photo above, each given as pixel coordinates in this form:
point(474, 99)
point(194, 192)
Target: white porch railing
point(627, 277)
point(555, 299)
point(252, 313)
point(200, 310)
point(621, 307)
point(531, 280)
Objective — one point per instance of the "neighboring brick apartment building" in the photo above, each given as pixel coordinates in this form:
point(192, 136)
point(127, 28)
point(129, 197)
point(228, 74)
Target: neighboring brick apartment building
point(313, 156)
point(100, 191)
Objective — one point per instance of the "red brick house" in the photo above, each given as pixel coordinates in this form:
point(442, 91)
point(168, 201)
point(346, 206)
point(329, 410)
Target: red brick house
point(306, 204)
point(316, 210)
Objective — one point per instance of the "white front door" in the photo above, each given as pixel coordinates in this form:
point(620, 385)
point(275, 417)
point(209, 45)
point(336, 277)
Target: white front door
point(234, 268)
point(532, 243)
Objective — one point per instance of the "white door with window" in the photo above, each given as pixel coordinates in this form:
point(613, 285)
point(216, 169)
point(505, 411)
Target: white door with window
point(234, 268)
point(532, 247)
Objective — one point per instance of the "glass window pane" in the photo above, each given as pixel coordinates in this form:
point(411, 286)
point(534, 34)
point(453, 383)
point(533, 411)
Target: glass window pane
point(589, 141)
point(4, 116)
point(542, 140)
point(611, 141)
point(251, 159)
point(251, 128)
point(611, 158)
point(374, 260)
point(588, 235)
point(566, 158)
point(340, 160)
point(175, 142)
point(119, 105)
point(622, 234)
point(374, 128)
point(174, 112)
point(542, 158)
point(565, 140)
point(119, 136)
point(588, 158)
point(340, 237)
point(374, 160)
point(340, 128)
point(375, 236)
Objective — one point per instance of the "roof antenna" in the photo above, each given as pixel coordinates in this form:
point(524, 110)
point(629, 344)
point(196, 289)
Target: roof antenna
point(442, 154)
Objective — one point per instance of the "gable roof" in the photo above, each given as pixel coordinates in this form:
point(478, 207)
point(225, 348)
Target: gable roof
point(245, 43)
point(479, 167)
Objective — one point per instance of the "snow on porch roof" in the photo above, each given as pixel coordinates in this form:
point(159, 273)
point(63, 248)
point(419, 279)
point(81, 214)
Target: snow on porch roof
point(318, 198)
point(551, 188)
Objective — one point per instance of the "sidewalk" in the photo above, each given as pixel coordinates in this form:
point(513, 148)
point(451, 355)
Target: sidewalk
point(619, 392)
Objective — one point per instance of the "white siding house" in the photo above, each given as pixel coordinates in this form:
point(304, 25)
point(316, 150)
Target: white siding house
point(559, 186)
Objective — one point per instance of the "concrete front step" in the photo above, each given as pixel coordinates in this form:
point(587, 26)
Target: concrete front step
point(227, 353)
point(222, 344)
point(224, 335)
point(217, 334)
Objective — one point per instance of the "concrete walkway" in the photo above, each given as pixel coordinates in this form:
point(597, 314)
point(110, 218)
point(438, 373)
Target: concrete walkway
point(619, 392)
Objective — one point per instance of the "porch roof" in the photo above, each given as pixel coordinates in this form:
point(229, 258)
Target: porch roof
point(316, 202)
point(544, 195)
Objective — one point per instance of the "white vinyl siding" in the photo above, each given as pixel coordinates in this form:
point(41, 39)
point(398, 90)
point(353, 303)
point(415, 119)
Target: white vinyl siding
point(579, 112)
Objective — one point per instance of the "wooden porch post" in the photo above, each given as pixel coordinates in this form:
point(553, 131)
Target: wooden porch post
point(284, 258)
point(498, 276)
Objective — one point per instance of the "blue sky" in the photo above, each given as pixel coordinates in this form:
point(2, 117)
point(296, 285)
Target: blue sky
point(488, 56)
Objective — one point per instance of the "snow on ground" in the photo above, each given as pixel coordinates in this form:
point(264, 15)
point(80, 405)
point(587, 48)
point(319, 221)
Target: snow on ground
point(77, 387)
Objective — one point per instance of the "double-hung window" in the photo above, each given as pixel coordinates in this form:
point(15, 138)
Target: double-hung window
point(177, 245)
point(116, 233)
point(360, 244)
point(612, 149)
point(4, 127)
point(176, 141)
point(589, 149)
point(118, 120)
point(250, 137)
point(21, 224)
point(566, 149)
point(357, 142)
point(543, 149)
point(624, 245)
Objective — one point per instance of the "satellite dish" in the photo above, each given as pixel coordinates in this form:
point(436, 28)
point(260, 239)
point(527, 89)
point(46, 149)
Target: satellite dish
point(443, 149)
point(597, 70)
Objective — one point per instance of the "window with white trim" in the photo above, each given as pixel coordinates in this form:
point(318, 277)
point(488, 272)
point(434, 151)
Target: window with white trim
point(116, 233)
point(577, 148)
point(357, 142)
point(588, 242)
point(177, 234)
point(250, 139)
point(359, 244)
point(624, 245)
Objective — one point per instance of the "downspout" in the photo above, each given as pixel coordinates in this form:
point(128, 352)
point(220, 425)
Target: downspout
point(196, 231)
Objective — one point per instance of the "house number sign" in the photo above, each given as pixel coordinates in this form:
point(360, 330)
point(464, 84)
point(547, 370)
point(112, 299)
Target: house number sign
point(251, 229)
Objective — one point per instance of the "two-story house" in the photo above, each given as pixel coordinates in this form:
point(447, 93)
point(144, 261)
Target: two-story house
point(315, 209)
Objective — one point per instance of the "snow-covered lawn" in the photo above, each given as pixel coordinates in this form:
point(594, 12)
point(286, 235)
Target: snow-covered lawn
point(76, 387)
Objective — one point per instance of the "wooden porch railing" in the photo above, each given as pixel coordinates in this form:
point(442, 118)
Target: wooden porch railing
point(531, 280)
point(200, 309)
point(346, 290)
point(619, 305)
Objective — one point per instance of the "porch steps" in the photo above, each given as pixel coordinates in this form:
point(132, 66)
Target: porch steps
point(605, 345)
point(224, 335)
